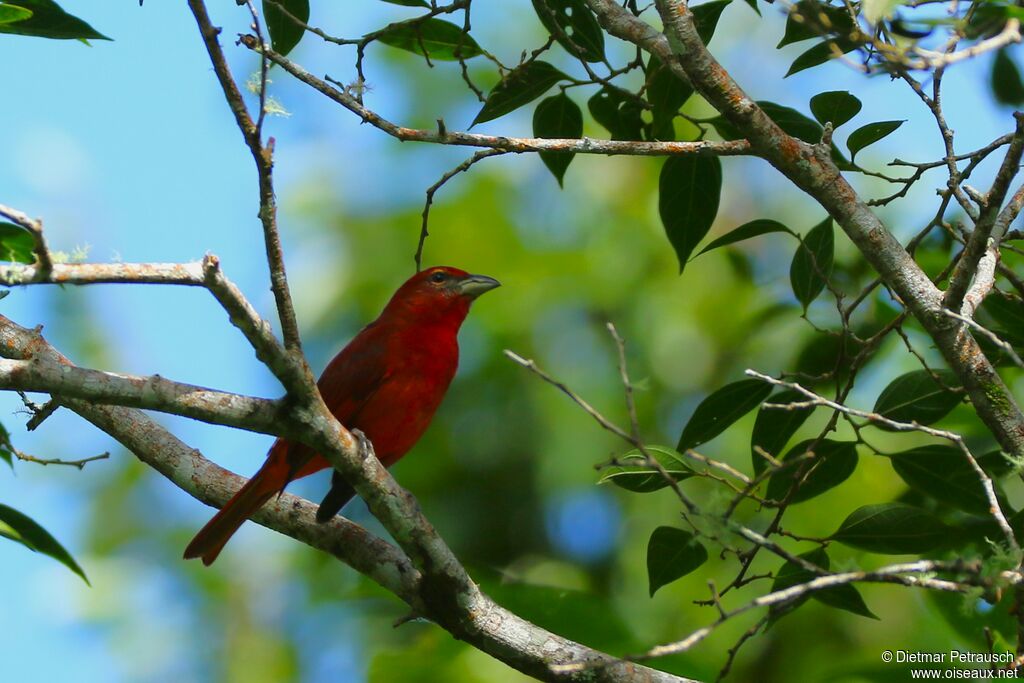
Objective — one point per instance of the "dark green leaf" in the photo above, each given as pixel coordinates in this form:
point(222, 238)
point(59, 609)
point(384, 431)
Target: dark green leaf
point(720, 410)
point(688, 193)
point(48, 20)
point(820, 53)
point(557, 117)
point(812, 263)
point(636, 476)
point(1008, 314)
point(892, 529)
point(12, 13)
point(943, 473)
point(753, 6)
point(869, 135)
point(706, 16)
point(7, 457)
point(16, 244)
point(666, 94)
point(22, 529)
point(762, 226)
point(617, 113)
point(435, 39)
point(285, 34)
point(986, 20)
point(844, 596)
point(918, 397)
point(837, 106)
point(1006, 81)
point(574, 26)
point(774, 427)
point(833, 463)
point(409, 3)
point(672, 554)
point(789, 120)
point(813, 19)
point(520, 86)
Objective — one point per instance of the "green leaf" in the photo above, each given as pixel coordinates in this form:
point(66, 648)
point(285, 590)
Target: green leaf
point(774, 427)
point(12, 13)
point(22, 529)
point(876, 10)
point(689, 190)
point(285, 34)
point(844, 596)
point(869, 135)
point(720, 410)
point(672, 554)
point(706, 16)
point(638, 477)
point(837, 106)
point(520, 86)
point(943, 473)
point(918, 397)
point(434, 39)
point(833, 463)
point(892, 529)
point(16, 244)
point(761, 226)
point(619, 114)
point(574, 26)
point(812, 19)
point(788, 119)
point(812, 263)
point(48, 20)
point(820, 53)
point(408, 3)
point(666, 95)
point(1006, 82)
point(7, 457)
point(557, 117)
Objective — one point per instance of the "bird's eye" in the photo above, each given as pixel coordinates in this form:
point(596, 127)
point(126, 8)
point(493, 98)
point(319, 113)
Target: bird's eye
point(438, 277)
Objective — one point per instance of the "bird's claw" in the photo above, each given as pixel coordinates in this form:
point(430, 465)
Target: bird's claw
point(365, 447)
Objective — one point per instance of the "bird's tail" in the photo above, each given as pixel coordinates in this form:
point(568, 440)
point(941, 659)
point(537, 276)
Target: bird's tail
point(270, 480)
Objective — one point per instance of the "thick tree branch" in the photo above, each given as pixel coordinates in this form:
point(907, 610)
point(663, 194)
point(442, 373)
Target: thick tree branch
point(812, 169)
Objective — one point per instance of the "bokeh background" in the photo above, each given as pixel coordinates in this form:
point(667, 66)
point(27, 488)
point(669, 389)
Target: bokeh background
point(128, 151)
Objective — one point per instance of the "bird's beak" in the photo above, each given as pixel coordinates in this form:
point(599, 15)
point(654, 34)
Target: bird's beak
point(475, 285)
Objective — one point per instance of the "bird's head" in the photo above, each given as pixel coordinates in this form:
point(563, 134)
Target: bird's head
point(441, 292)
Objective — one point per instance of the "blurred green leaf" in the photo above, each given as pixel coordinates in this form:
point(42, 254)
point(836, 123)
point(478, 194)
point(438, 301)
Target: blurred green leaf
point(672, 554)
point(666, 95)
point(812, 263)
point(285, 34)
point(837, 106)
point(48, 20)
point(869, 135)
point(12, 13)
point(774, 427)
point(641, 478)
point(892, 529)
point(833, 463)
point(520, 86)
point(574, 26)
point(813, 19)
point(619, 114)
point(435, 39)
point(22, 529)
point(689, 190)
point(1006, 82)
point(762, 226)
point(876, 10)
point(918, 397)
point(16, 244)
point(721, 409)
point(557, 117)
point(942, 472)
point(706, 16)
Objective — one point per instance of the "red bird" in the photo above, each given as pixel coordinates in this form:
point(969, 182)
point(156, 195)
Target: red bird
point(387, 382)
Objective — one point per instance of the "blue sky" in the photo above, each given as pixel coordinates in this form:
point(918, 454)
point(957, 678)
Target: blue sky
point(128, 148)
